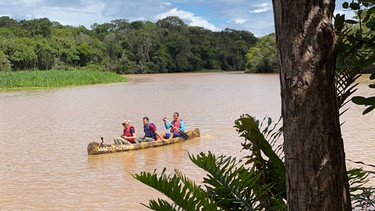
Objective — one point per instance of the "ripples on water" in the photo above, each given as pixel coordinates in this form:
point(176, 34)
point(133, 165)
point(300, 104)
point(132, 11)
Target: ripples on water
point(44, 135)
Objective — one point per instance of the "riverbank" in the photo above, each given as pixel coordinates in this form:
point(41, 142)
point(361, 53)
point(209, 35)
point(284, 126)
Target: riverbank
point(55, 78)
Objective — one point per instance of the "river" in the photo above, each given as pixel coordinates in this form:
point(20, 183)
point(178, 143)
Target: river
point(44, 135)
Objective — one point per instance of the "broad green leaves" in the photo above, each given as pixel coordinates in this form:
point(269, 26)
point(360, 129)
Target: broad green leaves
point(263, 155)
point(229, 185)
point(356, 49)
point(369, 101)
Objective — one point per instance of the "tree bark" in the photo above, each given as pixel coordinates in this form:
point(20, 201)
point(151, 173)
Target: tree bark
point(313, 146)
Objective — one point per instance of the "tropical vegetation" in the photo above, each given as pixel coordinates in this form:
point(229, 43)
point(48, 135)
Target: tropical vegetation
point(54, 78)
point(257, 182)
point(169, 45)
point(358, 43)
point(262, 58)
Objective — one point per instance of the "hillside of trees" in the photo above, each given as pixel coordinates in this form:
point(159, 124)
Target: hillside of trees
point(262, 58)
point(169, 45)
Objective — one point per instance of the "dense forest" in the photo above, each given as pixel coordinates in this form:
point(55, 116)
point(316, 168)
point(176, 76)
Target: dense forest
point(169, 45)
point(262, 58)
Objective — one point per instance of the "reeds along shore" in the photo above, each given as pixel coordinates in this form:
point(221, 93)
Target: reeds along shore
point(56, 78)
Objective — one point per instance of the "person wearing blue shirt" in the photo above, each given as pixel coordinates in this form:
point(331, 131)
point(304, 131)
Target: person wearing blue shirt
point(176, 126)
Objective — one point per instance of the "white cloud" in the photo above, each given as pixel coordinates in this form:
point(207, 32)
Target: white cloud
point(167, 3)
point(240, 21)
point(215, 15)
point(188, 17)
point(259, 8)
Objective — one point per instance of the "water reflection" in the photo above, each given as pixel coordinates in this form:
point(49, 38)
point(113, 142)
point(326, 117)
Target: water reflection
point(46, 132)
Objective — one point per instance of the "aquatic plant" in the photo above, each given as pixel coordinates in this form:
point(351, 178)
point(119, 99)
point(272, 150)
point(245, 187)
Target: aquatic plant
point(55, 78)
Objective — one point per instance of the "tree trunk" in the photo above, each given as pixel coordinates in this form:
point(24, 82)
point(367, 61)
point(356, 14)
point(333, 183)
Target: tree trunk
point(313, 146)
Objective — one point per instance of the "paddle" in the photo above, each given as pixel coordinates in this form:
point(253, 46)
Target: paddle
point(182, 134)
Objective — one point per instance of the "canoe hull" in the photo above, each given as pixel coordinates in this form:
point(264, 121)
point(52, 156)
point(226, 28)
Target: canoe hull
point(94, 148)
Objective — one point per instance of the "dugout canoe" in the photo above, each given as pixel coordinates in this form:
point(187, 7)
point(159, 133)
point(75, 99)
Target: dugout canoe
point(94, 148)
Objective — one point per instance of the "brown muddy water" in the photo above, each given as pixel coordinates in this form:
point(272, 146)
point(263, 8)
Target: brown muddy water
point(44, 134)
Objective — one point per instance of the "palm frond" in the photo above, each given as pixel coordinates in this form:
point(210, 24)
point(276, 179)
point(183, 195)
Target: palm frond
point(185, 194)
point(231, 185)
point(272, 168)
point(273, 132)
point(361, 196)
point(345, 83)
point(202, 198)
point(160, 205)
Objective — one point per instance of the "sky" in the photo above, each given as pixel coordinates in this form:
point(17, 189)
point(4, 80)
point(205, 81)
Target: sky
point(255, 16)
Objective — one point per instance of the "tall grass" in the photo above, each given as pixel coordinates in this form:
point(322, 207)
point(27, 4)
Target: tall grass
point(55, 78)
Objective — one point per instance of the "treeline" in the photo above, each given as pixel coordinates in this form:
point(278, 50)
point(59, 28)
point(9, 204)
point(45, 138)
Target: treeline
point(169, 45)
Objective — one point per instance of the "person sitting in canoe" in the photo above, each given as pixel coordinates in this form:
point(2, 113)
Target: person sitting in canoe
point(151, 133)
point(128, 136)
point(177, 126)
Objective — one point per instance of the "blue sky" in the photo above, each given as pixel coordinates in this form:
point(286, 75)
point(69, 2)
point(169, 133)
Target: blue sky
point(255, 16)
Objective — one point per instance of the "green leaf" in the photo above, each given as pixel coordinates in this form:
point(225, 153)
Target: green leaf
point(358, 100)
point(160, 205)
point(339, 22)
point(351, 21)
point(370, 24)
point(372, 76)
point(368, 110)
point(370, 101)
point(371, 10)
point(345, 5)
point(354, 6)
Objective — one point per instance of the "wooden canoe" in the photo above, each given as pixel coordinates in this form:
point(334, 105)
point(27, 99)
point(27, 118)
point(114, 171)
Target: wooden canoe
point(94, 148)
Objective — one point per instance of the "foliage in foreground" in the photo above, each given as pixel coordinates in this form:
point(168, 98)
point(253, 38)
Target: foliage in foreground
point(356, 49)
point(228, 186)
point(362, 197)
point(54, 78)
point(231, 185)
point(369, 102)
